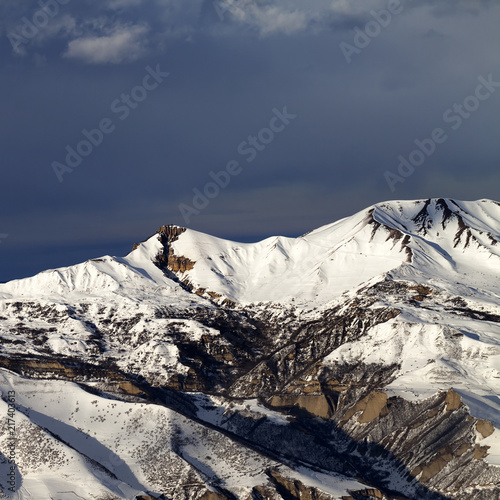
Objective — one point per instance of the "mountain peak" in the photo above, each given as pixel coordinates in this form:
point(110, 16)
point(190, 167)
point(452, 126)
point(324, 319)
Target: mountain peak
point(438, 236)
point(171, 232)
point(166, 259)
point(322, 264)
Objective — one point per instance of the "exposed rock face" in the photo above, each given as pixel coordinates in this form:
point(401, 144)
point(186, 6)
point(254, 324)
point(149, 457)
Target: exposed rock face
point(364, 494)
point(167, 260)
point(294, 489)
point(340, 417)
point(453, 400)
point(212, 495)
point(316, 405)
point(393, 234)
point(372, 406)
point(171, 233)
point(310, 342)
point(175, 266)
point(485, 428)
point(130, 388)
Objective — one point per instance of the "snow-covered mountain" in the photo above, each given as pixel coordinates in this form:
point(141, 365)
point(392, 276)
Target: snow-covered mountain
point(436, 237)
point(362, 358)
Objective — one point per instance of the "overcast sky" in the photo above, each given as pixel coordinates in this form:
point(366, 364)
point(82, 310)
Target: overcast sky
point(305, 105)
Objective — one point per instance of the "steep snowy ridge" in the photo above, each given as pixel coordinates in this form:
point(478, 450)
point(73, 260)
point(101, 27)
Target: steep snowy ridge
point(361, 359)
point(318, 266)
point(315, 267)
point(435, 236)
point(102, 275)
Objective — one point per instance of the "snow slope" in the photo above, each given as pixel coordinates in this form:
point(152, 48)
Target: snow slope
point(71, 444)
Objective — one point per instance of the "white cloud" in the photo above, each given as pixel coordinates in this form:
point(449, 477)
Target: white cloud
point(287, 17)
point(267, 18)
point(272, 19)
point(121, 44)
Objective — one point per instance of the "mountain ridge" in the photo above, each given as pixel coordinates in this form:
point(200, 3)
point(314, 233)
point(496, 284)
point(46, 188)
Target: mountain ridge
point(389, 223)
point(380, 217)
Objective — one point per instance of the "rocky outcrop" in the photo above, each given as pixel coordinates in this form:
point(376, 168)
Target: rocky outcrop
point(171, 233)
point(291, 489)
point(391, 234)
point(484, 428)
point(177, 265)
point(314, 405)
point(212, 495)
point(339, 416)
point(130, 388)
point(167, 260)
point(453, 400)
point(310, 343)
point(371, 407)
point(365, 494)
point(60, 368)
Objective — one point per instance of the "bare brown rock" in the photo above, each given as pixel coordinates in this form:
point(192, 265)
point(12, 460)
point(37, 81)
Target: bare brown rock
point(295, 489)
point(480, 452)
point(369, 493)
point(130, 388)
point(212, 495)
point(303, 386)
point(373, 406)
point(315, 404)
point(54, 368)
point(421, 289)
point(187, 383)
point(464, 447)
point(171, 232)
point(336, 387)
point(484, 428)
point(264, 493)
point(432, 468)
point(178, 263)
point(453, 400)
point(168, 260)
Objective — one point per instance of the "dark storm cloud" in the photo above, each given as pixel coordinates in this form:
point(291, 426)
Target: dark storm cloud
point(231, 63)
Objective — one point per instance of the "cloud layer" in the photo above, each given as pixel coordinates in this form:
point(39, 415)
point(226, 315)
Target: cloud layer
point(114, 31)
point(117, 44)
